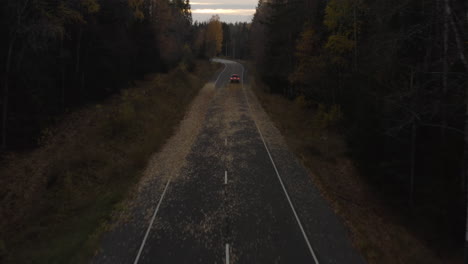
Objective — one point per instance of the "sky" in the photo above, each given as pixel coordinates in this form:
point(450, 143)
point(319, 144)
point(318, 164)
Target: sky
point(228, 10)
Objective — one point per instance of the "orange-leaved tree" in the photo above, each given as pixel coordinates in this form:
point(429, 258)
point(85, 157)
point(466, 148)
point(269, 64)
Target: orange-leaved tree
point(214, 36)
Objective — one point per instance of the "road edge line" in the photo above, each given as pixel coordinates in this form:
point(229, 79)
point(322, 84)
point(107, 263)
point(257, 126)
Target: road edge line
point(217, 79)
point(151, 223)
point(277, 173)
point(140, 250)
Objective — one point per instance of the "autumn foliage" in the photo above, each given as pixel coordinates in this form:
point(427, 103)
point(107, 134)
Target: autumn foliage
point(59, 55)
point(209, 38)
point(397, 71)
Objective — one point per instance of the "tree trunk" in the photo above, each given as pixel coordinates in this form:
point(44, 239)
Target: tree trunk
point(78, 48)
point(77, 77)
point(413, 164)
point(6, 83)
point(413, 144)
point(62, 83)
point(234, 50)
point(465, 174)
point(443, 107)
point(355, 37)
point(6, 93)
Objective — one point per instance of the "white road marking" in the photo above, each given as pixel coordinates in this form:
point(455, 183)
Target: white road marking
point(225, 142)
point(151, 223)
point(225, 177)
point(161, 199)
point(277, 173)
point(217, 79)
point(227, 253)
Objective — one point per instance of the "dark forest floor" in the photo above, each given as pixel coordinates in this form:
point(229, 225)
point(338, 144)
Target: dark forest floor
point(58, 199)
point(380, 233)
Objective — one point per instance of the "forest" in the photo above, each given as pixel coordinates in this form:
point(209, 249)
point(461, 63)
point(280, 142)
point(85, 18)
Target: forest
point(390, 76)
point(396, 71)
point(59, 55)
point(119, 63)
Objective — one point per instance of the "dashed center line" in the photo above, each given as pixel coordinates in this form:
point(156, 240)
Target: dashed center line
point(225, 177)
point(225, 142)
point(140, 250)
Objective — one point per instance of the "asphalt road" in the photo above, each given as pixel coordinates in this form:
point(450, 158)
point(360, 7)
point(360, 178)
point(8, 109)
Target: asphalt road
point(239, 198)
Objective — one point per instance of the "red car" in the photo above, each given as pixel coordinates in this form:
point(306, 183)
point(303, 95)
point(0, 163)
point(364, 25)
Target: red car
point(235, 78)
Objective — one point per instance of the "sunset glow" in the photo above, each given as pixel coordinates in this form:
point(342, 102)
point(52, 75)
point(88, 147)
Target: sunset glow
point(245, 12)
point(229, 11)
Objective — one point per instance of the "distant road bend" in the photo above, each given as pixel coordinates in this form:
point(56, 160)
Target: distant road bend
point(225, 189)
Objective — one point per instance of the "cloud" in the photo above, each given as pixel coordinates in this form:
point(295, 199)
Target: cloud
point(221, 6)
point(201, 4)
point(229, 11)
point(228, 18)
point(242, 12)
point(224, 2)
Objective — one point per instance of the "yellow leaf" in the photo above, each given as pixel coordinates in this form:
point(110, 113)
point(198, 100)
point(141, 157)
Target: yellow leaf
point(91, 6)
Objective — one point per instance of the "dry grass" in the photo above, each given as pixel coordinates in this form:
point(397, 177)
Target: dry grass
point(375, 232)
point(56, 200)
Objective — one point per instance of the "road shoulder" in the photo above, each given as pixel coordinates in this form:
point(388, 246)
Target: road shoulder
point(326, 232)
point(372, 232)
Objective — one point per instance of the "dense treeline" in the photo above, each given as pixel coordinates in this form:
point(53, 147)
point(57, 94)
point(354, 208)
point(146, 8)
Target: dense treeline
point(397, 73)
point(59, 54)
point(208, 37)
point(214, 37)
point(236, 40)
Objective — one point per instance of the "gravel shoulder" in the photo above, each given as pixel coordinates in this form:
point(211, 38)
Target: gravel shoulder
point(121, 242)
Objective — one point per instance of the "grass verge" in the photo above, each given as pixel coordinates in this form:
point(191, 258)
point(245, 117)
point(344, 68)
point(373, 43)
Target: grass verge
point(313, 136)
point(57, 200)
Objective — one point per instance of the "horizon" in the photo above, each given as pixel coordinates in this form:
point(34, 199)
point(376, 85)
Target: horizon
point(240, 11)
